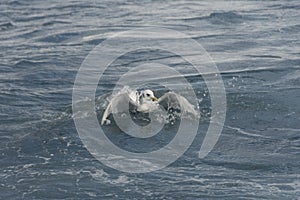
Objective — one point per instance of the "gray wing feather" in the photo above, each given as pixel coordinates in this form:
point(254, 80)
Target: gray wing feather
point(177, 101)
point(119, 101)
point(106, 113)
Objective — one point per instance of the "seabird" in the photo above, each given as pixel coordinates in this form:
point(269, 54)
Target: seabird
point(144, 101)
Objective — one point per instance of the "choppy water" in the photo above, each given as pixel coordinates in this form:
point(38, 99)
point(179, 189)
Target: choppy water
point(255, 44)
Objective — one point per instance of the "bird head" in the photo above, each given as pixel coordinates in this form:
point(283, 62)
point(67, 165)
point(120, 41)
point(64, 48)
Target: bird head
point(148, 95)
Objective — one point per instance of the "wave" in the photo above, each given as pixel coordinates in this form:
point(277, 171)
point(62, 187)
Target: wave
point(220, 17)
point(6, 26)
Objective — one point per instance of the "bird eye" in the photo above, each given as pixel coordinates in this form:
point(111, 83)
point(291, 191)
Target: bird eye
point(148, 95)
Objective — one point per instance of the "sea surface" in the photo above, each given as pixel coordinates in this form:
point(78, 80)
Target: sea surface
point(254, 44)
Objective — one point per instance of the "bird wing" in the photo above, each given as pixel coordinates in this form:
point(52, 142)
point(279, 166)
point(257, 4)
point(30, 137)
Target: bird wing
point(173, 100)
point(118, 103)
point(106, 113)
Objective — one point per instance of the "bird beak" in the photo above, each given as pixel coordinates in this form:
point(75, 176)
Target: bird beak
point(154, 99)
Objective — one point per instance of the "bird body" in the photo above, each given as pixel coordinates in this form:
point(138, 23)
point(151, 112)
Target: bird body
point(145, 102)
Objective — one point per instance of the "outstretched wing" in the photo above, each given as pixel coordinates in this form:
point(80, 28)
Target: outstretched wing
point(118, 103)
point(106, 113)
point(173, 100)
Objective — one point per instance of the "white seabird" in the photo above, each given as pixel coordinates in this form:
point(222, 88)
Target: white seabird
point(145, 102)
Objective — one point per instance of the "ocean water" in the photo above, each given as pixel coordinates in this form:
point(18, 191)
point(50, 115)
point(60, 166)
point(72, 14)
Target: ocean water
point(255, 45)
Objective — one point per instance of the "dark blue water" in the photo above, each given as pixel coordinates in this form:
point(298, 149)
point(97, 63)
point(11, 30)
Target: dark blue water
point(255, 45)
